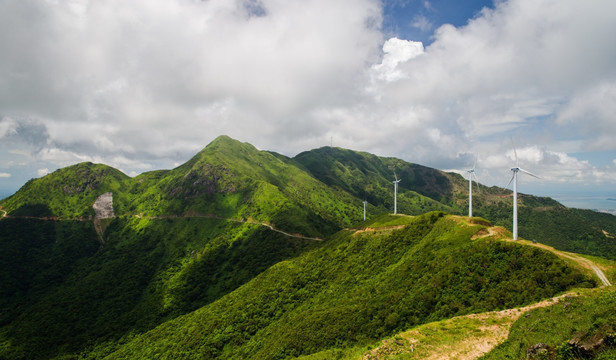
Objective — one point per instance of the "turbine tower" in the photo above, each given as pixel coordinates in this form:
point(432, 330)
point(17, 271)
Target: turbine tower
point(365, 202)
point(514, 179)
point(396, 193)
point(471, 174)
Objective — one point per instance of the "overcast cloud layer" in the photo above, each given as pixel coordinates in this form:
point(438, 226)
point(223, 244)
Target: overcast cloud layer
point(145, 84)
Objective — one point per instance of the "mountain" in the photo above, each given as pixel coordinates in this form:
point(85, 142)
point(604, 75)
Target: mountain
point(422, 189)
point(67, 193)
point(247, 249)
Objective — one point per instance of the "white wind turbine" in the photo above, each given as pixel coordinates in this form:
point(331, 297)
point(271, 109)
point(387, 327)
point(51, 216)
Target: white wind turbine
point(365, 202)
point(514, 179)
point(396, 193)
point(471, 174)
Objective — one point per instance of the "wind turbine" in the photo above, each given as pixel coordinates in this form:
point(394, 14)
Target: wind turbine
point(365, 202)
point(396, 193)
point(514, 179)
point(471, 174)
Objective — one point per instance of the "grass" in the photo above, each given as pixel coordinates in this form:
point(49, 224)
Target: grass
point(574, 317)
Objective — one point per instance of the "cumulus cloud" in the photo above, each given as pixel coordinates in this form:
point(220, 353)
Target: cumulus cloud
point(142, 84)
point(141, 77)
point(396, 51)
point(42, 172)
point(5, 175)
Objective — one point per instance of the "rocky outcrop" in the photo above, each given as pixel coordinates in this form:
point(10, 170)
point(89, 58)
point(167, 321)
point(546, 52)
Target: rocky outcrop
point(589, 344)
point(540, 351)
point(103, 206)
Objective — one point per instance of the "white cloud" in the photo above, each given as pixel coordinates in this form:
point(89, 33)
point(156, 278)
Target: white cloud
point(121, 77)
point(4, 175)
point(42, 172)
point(140, 83)
point(396, 51)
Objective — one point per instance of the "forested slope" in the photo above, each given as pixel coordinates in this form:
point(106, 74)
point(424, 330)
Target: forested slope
point(358, 287)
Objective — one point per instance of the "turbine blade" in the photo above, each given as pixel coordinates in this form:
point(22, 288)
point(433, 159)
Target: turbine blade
point(509, 183)
point(476, 180)
point(529, 173)
point(475, 163)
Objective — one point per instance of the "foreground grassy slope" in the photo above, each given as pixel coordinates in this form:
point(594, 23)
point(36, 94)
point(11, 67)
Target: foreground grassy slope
point(359, 287)
point(63, 291)
point(577, 327)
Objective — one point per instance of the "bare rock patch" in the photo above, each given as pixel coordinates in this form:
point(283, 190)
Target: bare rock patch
point(103, 206)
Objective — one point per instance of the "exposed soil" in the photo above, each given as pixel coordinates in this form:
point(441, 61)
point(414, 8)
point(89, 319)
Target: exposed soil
point(490, 329)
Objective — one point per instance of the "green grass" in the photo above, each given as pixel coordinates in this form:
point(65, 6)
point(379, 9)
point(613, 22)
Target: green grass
point(591, 313)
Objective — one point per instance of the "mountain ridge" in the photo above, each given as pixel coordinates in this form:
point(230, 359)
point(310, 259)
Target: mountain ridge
point(322, 189)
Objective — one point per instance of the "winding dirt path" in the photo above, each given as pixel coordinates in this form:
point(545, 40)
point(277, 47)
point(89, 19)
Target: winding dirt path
point(245, 221)
point(463, 338)
point(269, 226)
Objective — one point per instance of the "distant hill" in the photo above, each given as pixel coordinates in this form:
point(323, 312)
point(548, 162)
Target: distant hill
point(423, 189)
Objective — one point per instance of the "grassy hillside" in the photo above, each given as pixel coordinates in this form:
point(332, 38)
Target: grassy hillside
point(359, 287)
point(577, 327)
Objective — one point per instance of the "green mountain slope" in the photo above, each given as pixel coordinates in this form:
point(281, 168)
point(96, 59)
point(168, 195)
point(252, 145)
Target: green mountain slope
point(227, 179)
point(68, 192)
point(63, 291)
point(230, 179)
point(359, 287)
point(423, 189)
point(368, 176)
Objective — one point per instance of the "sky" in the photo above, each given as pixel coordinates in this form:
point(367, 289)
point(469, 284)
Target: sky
point(143, 85)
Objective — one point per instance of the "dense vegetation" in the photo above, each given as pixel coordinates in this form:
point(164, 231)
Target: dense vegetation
point(64, 291)
point(359, 287)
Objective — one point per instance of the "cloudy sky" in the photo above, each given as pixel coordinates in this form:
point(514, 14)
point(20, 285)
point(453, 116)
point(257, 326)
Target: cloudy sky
point(145, 84)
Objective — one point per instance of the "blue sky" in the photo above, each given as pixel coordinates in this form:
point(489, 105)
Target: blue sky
point(144, 85)
point(417, 19)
